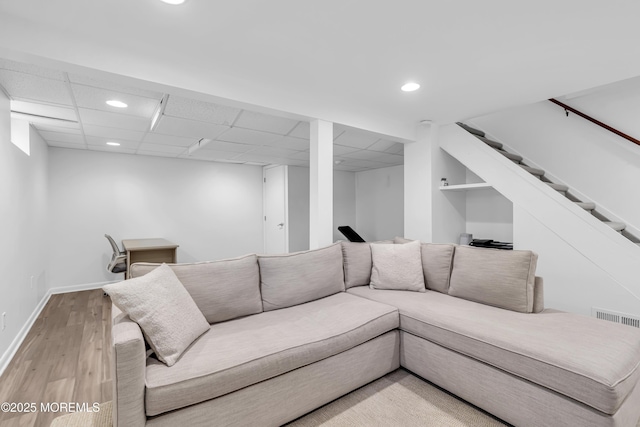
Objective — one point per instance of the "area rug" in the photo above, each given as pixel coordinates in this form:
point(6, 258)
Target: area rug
point(100, 418)
point(397, 399)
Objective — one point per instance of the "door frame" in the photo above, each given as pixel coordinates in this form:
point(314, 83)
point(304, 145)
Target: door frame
point(286, 206)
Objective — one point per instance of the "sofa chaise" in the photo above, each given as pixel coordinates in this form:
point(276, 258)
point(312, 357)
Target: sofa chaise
point(282, 335)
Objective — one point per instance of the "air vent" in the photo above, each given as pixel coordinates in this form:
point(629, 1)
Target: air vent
point(614, 316)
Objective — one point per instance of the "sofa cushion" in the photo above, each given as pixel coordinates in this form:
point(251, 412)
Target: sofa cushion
point(397, 267)
point(299, 277)
point(590, 360)
point(163, 308)
point(245, 351)
point(437, 259)
point(357, 263)
point(496, 277)
point(222, 290)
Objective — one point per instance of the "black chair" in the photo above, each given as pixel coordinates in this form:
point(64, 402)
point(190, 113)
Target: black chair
point(118, 263)
point(350, 234)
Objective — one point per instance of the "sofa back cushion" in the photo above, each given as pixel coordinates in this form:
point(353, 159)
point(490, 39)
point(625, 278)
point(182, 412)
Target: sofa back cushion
point(494, 277)
point(357, 263)
point(222, 290)
point(437, 259)
point(291, 279)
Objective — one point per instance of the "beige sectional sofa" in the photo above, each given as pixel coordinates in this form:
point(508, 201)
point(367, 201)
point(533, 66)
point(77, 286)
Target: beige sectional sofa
point(289, 333)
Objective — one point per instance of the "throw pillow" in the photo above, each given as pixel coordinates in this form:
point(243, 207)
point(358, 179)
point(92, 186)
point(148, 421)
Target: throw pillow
point(166, 313)
point(437, 259)
point(397, 267)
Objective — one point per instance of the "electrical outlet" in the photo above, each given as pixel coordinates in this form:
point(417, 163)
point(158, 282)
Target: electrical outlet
point(3, 320)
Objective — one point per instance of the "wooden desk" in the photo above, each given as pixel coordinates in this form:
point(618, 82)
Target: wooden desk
point(149, 250)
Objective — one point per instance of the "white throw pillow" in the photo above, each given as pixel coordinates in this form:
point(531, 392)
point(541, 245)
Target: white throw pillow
point(166, 313)
point(397, 267)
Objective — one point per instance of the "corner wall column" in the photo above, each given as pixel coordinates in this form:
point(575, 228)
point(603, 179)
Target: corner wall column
point(321, 184)
point(418, 184)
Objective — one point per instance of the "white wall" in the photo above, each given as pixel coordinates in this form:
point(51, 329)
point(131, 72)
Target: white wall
point(344, 205)
point(590, 160)
point(380, 203)
point(489, 214)
point(23, 218)
point(212, 210)
point(583, 261)
point(344, 201)
point(572, 282)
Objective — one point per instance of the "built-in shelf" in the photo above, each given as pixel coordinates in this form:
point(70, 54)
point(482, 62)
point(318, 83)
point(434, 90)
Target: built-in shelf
point(465, 187)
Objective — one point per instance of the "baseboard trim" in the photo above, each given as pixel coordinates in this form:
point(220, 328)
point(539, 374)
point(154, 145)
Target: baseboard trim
point(22, 334)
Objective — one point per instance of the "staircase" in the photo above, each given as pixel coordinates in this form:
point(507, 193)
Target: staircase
point(561, 188)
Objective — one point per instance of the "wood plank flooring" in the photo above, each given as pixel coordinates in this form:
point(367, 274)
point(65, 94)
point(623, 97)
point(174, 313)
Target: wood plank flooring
point(65, 357)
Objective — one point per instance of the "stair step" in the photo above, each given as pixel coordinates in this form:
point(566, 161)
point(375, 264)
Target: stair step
point(510, 156)
point(587, 206)
point(617, 226)
point(489, 142)
point(533, 171)
point(558, 187)
point(470, 129)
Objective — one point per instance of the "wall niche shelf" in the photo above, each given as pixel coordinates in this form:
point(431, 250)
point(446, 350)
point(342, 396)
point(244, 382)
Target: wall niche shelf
point(465, 187)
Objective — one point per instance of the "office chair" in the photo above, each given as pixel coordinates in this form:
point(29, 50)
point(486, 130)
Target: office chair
point(118, 263)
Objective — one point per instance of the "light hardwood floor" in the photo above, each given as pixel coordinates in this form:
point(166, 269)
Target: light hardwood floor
point(65, 357)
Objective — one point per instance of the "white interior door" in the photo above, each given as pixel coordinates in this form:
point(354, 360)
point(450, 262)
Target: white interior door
point(276, 228)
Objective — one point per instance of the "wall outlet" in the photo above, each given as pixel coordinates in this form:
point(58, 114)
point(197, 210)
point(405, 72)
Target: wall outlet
point(3, 320)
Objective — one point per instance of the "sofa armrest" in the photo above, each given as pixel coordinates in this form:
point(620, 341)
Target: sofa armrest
point(538, 295)
point(128, 356)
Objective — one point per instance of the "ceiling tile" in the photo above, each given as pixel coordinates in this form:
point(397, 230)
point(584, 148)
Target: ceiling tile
point(96, 98)
point(48, 128)
point(158, 138)
point(340, 150)
point(247, 136)
point(357, 139)
point(274, 152)
point(113, 120)
point(302, 130)
point(31, 69)
point(114, 87)
point(28, 87)
point(300, 155)
point(381, 145)
point(291, 143)
point(200, 110)
point(367, 164)
point(95, 141)
point(155, 153)
point(265, 123)
point(66, 145)
point(69, 138)
point(45, 110)
point(110, 149)
point(159, 148)
point(397, 148)
point(114, 134)
point(339, 129)
point(233, 147)
point(189, 128)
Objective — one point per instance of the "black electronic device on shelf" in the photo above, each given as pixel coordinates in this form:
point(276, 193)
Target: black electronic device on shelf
point(492, 244)
point(350, 234)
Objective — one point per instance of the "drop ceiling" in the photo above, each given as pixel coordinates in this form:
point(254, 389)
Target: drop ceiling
point(237, 135)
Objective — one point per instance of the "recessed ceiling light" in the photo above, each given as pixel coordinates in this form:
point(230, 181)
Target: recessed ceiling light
point(114, 144)
point(173, 1)
point(116, 103)
point(410, 87)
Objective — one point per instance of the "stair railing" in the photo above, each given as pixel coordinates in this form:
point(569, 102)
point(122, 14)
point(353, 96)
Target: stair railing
point(592, 120)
